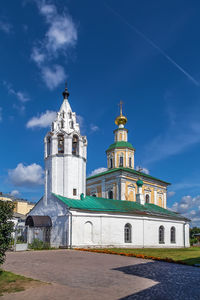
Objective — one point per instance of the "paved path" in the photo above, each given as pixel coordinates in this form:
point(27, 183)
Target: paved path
point(85, 275)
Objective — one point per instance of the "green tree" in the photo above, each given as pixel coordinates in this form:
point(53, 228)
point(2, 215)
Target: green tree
point(194, 230)
point(6, 227)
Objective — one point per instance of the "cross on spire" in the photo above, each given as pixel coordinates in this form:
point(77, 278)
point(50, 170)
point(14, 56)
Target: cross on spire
point(120, 104)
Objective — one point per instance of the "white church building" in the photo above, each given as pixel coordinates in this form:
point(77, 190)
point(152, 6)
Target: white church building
point(120, 207)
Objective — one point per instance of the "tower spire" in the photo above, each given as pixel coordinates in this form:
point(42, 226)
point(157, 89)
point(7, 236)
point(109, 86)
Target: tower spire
point(121, 120)
point(66, 92)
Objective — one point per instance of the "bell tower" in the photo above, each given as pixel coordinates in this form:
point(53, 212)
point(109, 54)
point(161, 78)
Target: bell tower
point(65, 155)
point(120, 154)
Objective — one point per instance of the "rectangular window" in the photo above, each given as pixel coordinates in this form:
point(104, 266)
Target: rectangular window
point(121, 161)
point(74, 192)
point(130, 162)
point(111, 163)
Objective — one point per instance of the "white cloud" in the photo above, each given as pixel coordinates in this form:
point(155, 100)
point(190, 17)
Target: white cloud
point(21, 96)
point(189, 207)
point(42, 121)
point(15, 193)
point(5, 26)
point(26, 175)
point(143, 170)
point(97, 171)
point(37, 56)
point(170, 194)
point(94, 128)
point(53, 76)
point(62, 32)
point(60, 36)
point(80, 120)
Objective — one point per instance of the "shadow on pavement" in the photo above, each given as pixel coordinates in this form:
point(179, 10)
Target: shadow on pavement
point(174, 281)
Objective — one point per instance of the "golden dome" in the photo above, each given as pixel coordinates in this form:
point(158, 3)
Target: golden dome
point(121, 120)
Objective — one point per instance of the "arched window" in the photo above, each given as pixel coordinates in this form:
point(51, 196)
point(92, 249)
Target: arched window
point(173, 234)
point(75, 145)
point(60, 143)
point(111, 163)
point(121, 161)
point(130, 162)
point(88, 232)
point(120, 136)
point(62, 123)
point(110, 195)
point(127, 233)
point(48, 145)
point(161, 235)
point(147, 198)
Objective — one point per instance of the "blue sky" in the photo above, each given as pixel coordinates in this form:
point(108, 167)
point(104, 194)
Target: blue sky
point(143, 52)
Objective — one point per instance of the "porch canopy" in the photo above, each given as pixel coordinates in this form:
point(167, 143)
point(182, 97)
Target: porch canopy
point(38, 221)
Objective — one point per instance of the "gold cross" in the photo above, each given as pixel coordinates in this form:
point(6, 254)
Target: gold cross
point(120, 104)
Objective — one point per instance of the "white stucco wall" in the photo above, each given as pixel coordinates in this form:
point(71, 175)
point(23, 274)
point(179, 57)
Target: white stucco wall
point(108, 230)
point(58, 213)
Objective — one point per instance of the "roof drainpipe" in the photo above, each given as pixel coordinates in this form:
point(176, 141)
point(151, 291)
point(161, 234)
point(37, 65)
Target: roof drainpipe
point(184, 234)
point(69, 242)
point(82, 196)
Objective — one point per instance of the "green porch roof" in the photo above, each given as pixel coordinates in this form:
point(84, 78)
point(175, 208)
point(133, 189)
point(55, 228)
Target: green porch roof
point(97, 204)
point(120, 144)
point(127, 170)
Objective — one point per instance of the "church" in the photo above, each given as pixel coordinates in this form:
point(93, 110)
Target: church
point(121, 207)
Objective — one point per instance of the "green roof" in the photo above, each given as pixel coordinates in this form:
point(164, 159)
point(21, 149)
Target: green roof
point(127, 170)
point(90, 203)
point(120, 144)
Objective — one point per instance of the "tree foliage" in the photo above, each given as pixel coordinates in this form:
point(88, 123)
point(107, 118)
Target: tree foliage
point(193, 231)
point(6, 227)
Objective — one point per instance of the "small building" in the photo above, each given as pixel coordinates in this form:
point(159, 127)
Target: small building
point(21, 206)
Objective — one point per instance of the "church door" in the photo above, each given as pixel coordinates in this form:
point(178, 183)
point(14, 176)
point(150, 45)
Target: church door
point(88, 232)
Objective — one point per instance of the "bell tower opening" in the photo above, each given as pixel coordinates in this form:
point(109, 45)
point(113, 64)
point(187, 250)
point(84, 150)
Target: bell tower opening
point(60, 143)
point(75, 145)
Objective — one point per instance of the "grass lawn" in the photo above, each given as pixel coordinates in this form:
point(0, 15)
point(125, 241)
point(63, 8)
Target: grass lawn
point(190, 255)
point(10, 282)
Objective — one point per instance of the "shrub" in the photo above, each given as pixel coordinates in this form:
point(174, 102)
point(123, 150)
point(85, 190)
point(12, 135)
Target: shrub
point(6, 227)
point(193, 241)
point(38, 245)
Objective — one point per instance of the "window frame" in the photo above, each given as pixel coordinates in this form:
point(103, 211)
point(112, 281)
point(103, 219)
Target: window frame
point(127, 233)
point(147, 196)
point(173, 235)
point(110, 192)
point(161, 234)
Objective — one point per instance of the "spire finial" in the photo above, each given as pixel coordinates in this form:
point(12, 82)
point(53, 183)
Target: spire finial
point(65, 93)
point(120, 103)
point(121, 120)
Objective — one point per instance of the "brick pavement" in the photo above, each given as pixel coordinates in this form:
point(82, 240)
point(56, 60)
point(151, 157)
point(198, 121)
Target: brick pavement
point(84, 275)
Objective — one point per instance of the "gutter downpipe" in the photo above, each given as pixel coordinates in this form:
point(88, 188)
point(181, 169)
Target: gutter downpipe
point(69, 240)
point(143, 232)
point(184, 234)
